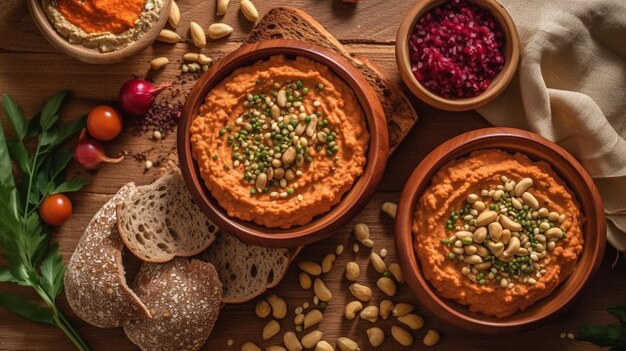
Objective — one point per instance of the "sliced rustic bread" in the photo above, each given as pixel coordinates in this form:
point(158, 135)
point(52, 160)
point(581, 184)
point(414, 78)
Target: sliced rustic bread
point(95, 286)
point(184, 298)
point(291, 23)
point(161, 221)
point(245, 270)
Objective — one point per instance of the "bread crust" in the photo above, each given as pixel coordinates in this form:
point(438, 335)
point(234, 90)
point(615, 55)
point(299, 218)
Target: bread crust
point(95, 285)
point(164, 237)
point(234, 258)
point(184, 297)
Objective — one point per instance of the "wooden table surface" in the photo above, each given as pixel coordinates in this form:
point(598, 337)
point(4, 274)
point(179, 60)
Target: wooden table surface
point(31, 70)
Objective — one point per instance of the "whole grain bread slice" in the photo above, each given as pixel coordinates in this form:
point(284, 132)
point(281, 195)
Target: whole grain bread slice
point(246, 271)
point(291, 23)
point(95, 285)
point(184, 298)
point(161, 221)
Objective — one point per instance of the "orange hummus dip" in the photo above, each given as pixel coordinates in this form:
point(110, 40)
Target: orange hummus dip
point(450, 224)
point(280, 142)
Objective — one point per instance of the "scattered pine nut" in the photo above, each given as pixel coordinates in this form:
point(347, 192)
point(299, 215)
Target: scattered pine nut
point(339, 250)
point(390, 209)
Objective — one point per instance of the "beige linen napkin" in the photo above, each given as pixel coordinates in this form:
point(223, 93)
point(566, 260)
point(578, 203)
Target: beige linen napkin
point(570, 87)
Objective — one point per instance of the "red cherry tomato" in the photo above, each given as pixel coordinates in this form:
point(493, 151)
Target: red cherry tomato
point(55, 209)
point(104, 123)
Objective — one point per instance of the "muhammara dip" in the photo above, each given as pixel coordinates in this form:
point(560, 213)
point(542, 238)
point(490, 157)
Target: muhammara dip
point(280, 142)
point(497, 232)
point(105, 25)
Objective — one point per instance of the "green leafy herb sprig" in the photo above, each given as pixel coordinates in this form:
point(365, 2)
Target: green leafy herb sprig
point(611, 335)
point(40, 162)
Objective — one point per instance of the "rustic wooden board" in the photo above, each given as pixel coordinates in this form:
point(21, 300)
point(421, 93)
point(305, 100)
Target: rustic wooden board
point(30, 70)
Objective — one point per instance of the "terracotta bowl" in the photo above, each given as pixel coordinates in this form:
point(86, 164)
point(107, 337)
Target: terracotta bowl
point(498, 84)
point(537, 148)
point(93, 55)
point(353, 201)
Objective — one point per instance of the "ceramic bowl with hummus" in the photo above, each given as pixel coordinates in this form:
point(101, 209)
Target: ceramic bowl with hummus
point(100, 31)
point(499, 229)
point(287, 144)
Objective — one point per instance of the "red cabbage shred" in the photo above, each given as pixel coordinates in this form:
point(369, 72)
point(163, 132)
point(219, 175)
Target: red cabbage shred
point(456, 49)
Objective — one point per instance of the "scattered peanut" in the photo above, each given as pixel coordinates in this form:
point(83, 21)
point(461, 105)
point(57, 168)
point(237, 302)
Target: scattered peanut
point(361, 232)
point(370, 313)
point(219, 30)
point(396, 271)
point(352, 271)
point(387, 286)
point(305, 281)
point(390, 209)
point(355, 248)
point(159, 63)
point(311, 339)
point(360, 291)
point(148, 164)
point(376, 336)
point(385, 308)
point(377, 262)
point(249, 11)
point(221, 7)
point(191, 57)
point(352, 308)
point(321, 291)
point(402, 336)
point(310, 267)
point(346, 344)
point(275, 348)
point(327, 262)
point(174, 17)
point(204, 59)
point(312, 318)
point(271, 328)
point(279, 306)
point(197, 35)
point(250, 347)
point(230, 342)
point(402, 309)
point(168, 36)
point(412, 321)
point(368, 243)
point(263, 309)
point(291, 341)
point(324, 346)
point(431, 338)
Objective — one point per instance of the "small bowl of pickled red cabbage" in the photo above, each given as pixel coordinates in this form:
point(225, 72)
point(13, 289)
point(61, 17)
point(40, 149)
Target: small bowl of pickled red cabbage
point(457, 55)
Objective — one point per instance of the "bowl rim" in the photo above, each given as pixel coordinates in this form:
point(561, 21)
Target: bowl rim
point(359, 194)
point(460, 146)
point(498, 84)
point(93, 56)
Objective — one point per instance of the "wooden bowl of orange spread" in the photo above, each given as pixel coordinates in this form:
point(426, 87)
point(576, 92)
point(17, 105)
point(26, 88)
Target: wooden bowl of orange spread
point(499, 230)
point(282, 142)
point(100, 32)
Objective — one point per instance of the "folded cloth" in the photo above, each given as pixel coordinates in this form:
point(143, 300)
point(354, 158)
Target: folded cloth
point(570, 87)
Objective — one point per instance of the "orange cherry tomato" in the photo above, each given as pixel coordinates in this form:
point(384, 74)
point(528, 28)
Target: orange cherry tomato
point(104, 123)
point(55, 209)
